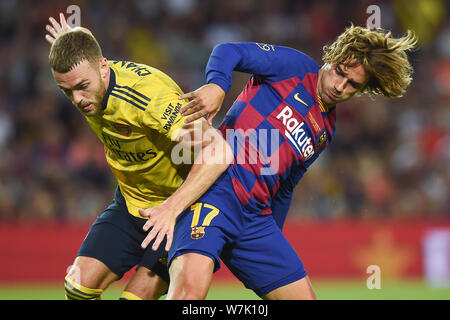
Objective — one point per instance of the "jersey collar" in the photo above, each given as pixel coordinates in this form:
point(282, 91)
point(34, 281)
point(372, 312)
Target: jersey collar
point(112, 83)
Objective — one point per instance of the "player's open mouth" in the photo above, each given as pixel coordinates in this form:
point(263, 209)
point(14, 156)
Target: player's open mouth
point(89, 107)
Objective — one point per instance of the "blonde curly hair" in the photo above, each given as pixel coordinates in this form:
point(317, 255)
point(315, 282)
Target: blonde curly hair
point(383, 57)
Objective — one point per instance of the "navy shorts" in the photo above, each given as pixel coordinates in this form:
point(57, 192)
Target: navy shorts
point(115, 239)
point(251, 245)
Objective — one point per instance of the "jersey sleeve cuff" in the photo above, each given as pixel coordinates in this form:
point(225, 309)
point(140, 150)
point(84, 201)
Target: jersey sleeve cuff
point(224, 84)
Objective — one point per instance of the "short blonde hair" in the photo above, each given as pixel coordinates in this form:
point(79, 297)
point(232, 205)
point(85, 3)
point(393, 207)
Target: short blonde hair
point(71, 48)
point(383, 57)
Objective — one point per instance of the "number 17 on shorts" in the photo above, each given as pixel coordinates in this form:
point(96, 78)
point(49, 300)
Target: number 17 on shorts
point(198, 231)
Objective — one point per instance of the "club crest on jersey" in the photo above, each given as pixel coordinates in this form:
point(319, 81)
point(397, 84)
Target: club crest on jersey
point(123, 129)
point(321, 140)
point(197, 233)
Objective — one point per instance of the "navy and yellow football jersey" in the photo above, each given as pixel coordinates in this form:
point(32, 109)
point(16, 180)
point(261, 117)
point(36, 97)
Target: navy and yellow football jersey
point(141, 114)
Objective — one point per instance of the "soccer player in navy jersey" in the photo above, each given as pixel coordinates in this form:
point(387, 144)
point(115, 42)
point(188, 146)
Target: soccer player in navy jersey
point(277, 127)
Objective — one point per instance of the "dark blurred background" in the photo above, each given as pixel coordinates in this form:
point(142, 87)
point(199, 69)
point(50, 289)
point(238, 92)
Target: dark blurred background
point(390, 158)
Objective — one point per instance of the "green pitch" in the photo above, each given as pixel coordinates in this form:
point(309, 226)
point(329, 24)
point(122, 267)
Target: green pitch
point(328, 290)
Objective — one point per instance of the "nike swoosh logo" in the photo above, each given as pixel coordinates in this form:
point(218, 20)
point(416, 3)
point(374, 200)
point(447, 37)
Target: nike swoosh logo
point(298, 99)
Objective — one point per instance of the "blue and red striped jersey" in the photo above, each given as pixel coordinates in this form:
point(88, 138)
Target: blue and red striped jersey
point(276, 127)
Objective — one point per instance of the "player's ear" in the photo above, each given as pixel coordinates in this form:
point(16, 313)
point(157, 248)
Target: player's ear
point(103, 67)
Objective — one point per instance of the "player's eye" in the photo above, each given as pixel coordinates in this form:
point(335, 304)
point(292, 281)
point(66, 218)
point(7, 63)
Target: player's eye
point(339, 71)
point(356, 86)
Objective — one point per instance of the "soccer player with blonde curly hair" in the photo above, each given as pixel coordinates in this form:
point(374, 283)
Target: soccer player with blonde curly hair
point(383, 58)
point(279, 124)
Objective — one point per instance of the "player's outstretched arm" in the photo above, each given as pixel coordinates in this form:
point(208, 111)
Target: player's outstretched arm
point(213, 159)
point(274, 63)
point(206, 100)
point(55, 28)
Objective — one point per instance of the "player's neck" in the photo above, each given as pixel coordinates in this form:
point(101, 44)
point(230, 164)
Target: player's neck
point(108, 76)
point(106, 83)
point(326, 106)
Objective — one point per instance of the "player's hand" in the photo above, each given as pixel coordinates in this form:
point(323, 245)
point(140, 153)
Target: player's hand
point(205, 101)
point(196, 134)
point(55, 29)
point(162, 221)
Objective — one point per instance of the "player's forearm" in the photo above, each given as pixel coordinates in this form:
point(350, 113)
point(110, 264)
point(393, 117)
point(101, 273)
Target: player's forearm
point(216, 157)
point(210, 163)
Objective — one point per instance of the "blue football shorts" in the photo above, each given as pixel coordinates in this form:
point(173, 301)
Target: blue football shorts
point(251, 245)
point(115, 239)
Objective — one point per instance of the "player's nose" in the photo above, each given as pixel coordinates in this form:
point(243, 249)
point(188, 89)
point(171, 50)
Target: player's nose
point(340, 85)
point(77, 96)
